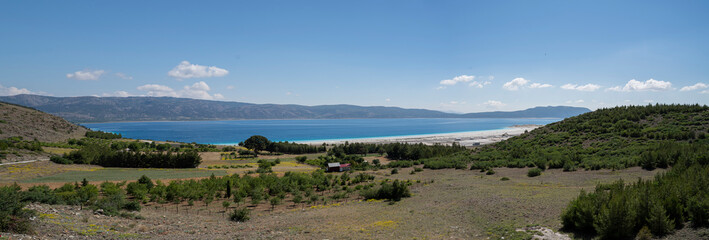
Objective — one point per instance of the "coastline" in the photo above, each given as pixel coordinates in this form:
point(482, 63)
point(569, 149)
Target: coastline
point(471, 138)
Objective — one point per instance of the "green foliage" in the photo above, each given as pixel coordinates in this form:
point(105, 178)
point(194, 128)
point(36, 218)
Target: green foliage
point(504, 179)
point(240, 215)
point(613, 138)
point(60, 160)
point(394, 171)
point(257, 143)
point(293, 148)
point(617, 210)
point(301, 159)
point(103, 135)
point(394, 191)
point(13, 216)
point(534, 172)
point(18, 143)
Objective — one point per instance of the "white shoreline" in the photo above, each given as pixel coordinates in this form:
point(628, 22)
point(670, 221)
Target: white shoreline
point(471, 138)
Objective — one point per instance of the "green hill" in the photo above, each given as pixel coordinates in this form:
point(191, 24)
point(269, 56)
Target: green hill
point(612, 138)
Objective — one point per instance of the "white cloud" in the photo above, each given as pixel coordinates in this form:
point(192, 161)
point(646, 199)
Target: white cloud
point(694, 87)
point(518, 83)
point(86, 75)
point(539, 85)
point(388, 99)
point(649, 85)
point(705, 91)
point(577, 101)
point(230, 87)
point(649, 101)
point(11, 91)
point(117, 94)
point(124, 76)
point(515, 84)
point(585, 88)
point(187, 70)
point(455, 80)
point(493, 104)
point(198, 90)
point(479, 84)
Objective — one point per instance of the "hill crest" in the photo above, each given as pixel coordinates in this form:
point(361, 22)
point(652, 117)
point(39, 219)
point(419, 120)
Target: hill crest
point(105, 109)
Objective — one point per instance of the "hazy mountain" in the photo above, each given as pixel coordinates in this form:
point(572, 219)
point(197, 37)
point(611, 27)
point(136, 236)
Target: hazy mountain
point(102, 109)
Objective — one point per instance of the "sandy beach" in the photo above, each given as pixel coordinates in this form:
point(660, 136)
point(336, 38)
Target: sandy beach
point(472, 138)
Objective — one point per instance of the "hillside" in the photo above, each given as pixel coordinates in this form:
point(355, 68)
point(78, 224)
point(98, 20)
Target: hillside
point(30, 124)
point(103, 109)
point(613, 138)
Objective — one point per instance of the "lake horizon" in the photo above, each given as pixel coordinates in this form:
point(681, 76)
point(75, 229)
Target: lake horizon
point(231, 132)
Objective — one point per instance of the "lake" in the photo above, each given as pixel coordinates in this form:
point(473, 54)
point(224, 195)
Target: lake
point(234, 131)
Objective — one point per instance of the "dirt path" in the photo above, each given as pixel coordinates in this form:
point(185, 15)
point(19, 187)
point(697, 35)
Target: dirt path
point(28, 161)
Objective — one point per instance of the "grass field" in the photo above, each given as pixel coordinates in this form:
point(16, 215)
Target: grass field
point(120, 174)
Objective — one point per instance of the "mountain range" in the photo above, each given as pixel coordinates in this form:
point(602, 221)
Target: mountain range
point(110, 109)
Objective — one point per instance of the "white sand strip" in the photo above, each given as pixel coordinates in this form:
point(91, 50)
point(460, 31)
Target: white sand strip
point(463, 138)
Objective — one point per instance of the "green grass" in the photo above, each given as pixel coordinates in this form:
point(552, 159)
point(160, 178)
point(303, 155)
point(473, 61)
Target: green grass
point(120, 174)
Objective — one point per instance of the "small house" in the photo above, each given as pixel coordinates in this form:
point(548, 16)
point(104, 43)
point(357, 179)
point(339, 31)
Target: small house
point(337, 167)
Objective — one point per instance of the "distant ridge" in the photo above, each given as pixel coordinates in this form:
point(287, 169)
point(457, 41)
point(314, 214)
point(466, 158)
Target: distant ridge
point(108, 109)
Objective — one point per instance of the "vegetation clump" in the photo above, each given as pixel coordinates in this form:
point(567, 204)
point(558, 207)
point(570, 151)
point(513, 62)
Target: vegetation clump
point(619, 210)
point(534, 172)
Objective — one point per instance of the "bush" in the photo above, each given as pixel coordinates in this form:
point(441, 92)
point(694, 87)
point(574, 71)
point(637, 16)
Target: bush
point(504, 179)
point(490, 172)
point(240, 215)
point(698, 210)
point(60, 160)
point(13, 218)
point(534, 172)
point(391, 191)
point(394, 171)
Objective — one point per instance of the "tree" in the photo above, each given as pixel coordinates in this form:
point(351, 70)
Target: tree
point(275, 201)
point(226, 205)
point(145, 180)
point(228, 189)
point(256, 143)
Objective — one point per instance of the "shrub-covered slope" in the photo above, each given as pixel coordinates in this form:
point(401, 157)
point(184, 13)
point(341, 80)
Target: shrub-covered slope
point(31, 124)
point(614, 138)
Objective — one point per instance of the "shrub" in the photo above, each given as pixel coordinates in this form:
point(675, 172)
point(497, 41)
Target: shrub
point(534, 172)
point(490, 172)
point(658, 221)
point(240, 215)
point(644, 234)
point(698, 210)
point(301, 159)
point(394, 191)
point(504, 179)
point(394, 171)
point(13, 218)
point(60, 160)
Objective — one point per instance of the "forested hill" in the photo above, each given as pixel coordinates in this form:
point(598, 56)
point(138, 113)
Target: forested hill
point(103, 109)
point(30, 124)
point(614, 138)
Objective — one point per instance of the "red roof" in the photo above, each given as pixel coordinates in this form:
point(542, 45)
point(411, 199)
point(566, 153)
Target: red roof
point(344, 165)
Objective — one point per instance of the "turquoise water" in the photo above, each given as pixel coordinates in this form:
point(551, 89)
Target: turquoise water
point(234, 131)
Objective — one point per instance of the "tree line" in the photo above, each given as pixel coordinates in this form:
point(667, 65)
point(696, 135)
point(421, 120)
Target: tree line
point(106, 156)
point(670, 201)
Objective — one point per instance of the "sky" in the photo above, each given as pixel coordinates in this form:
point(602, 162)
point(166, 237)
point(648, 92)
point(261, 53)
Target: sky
point(453, 56)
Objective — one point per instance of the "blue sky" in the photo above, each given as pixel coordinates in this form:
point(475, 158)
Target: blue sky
point(459, 56)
